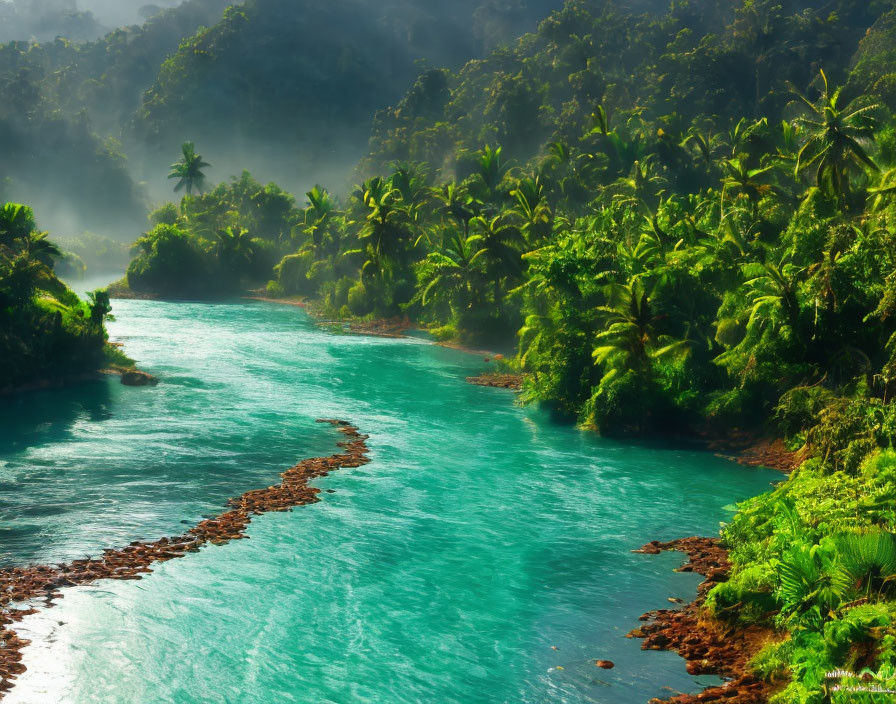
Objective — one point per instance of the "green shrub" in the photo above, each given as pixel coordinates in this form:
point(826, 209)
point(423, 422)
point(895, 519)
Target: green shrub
point(169, 263)
point(359, 300)
point(627, 404)
point(292, 274)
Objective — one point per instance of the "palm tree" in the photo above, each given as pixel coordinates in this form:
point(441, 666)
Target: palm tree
point(642, 184)
point(771, 293)
point(708, 144)
point(500, 250)
point(621, 150)
point(234, 247)
point(631, 338)
point(448, 276)
point(456, 203)
point(563, 177)
point(750, 140)
point(20, 278)
point(386, 233)
point(490, 170)
point(752, 183)
point(320, 204)
point(189, 170)
point(533, 210)
point(36, 246)
point(16, 223)
point(317, 218)
point(100, 306)
point(835, 144)
point(410, 182)
point(625, 342)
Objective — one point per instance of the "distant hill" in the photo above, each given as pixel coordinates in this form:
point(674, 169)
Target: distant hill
point(288, 88)
point(61, 106)
point(713, 58)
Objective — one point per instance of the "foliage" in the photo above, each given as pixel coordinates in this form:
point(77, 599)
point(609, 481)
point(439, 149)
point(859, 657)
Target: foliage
point(687, 226)
point(188, 170)
point(46, 332)
point(63, 105)
point(220, 241)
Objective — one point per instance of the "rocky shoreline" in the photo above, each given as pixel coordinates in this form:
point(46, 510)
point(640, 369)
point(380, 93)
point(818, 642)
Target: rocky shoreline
point(378, 327)
point(513, 382)
point(20, 586)
point(296, 301)
point(749, 449)
point(57, 383)
point(708, 646)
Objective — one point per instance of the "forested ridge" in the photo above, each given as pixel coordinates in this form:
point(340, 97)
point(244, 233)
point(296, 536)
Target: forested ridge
point(63, 105)
point(685, 221)
point(266, 83)
point(276, 67)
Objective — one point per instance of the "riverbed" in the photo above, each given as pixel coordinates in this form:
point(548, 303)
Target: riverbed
point(482, 556)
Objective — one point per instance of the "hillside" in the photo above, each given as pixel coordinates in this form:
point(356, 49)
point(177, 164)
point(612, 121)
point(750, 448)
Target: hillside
point(268, 85)
point(713, 59)
point(275, 89)
point(61, 106)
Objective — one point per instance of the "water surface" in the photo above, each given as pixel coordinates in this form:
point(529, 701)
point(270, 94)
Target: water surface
point(480, 537)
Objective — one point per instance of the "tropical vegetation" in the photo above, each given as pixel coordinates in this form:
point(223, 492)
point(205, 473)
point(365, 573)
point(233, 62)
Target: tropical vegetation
point(47, 333)
point(680, 215)
point(685, 220)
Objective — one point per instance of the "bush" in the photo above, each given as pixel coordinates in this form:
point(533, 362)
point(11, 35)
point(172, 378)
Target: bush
point(275, 290)
point(292, 274)
point(747, 597)
point(800, 409)
point(627, 404)
point(169, 264)
point(359, 300)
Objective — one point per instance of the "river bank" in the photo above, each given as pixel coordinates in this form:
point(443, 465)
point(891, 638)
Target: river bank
point(29, 584)
point(708, 646)
point(129, 377)
point(550, 509)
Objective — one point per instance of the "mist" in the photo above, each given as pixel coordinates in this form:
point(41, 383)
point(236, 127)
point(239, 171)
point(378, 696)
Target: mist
point(116, 13)
point(78, 20)
point(90, 130)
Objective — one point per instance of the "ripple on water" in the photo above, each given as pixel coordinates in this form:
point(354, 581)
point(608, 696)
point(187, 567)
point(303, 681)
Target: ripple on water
point(481, 535)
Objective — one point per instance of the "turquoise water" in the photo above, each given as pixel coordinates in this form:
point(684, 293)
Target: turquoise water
point(481, 536)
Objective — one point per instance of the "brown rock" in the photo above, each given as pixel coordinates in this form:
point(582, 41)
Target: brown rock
point(41, 582)
point(132, 377)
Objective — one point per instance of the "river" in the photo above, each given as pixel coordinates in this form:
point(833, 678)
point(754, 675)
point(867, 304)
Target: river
point(482, 556)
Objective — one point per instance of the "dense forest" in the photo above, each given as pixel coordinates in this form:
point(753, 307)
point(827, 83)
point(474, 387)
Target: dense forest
point(113, 108)
point(685, 220)
point(47, 333)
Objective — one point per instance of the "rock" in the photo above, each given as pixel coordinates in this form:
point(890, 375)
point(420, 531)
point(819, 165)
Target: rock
point(513, 382)
point(132, 377)
point(605, 664)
